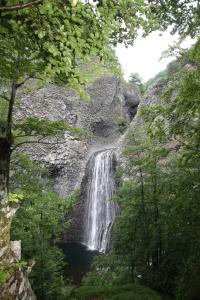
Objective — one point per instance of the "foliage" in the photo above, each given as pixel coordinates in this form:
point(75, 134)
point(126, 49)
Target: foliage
point(122, 123)
point(4, 275)
point(71, 200)
point(165, 75)
point(137, 80)
point(34, 130)
point(140, 215)
point(109, 270)
point(38, 224)
point(181, 15)
point(35, 126)
point(95, 69)
point(120, 292)
point(15, 197)
point(160, 210)
point(54, 34)
point(8, 269)
point(48, 41)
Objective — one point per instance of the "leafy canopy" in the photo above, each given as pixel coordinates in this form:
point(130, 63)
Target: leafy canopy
point(160, 207)
point(182, 15)
point(52, 37)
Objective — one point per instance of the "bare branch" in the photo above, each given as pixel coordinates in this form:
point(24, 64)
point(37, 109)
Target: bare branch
point(26, 79)
point(26, 135)
point(19, 6)
point(21, 83)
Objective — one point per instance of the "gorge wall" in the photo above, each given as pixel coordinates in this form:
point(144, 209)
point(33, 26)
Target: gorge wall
point(111, 108)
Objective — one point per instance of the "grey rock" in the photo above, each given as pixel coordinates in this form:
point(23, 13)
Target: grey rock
point(112, 106)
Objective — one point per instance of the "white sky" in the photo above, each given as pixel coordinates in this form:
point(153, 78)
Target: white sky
point(144, 56)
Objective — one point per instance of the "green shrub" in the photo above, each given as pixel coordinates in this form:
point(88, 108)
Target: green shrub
point(130, 291)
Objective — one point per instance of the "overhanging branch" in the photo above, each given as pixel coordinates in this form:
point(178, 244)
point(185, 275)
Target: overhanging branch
point(19, 6)
point(39, 141)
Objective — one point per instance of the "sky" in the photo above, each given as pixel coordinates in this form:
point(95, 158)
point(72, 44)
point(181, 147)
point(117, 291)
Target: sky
point(144, 56)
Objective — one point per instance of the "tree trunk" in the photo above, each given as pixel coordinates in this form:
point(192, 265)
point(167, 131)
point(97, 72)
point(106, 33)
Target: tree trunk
point(5, 152)
point(17, 285)
point(6, 212)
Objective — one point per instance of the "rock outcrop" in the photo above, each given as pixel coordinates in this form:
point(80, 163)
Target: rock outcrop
point(152, 96)
point(112, 106)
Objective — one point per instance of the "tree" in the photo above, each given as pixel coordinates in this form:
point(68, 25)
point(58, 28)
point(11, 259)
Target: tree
point(38, 224)
point(182, 15)
point(47, 40)
point(137, 80)
point(19, 6)
point(160, 202)
point(139, 233)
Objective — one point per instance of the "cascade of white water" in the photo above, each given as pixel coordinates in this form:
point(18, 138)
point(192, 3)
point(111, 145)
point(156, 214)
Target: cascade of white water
point(100, 209)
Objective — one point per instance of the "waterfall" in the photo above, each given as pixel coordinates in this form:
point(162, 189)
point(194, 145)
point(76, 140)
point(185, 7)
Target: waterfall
point(100, 210)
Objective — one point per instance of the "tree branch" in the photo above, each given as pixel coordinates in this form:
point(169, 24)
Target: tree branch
point(19, 6)
point(36, 142)
point(21, 83)
point(27, 136)
point(26, 79)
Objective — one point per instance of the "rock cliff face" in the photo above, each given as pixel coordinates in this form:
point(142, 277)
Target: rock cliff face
point(112, 106)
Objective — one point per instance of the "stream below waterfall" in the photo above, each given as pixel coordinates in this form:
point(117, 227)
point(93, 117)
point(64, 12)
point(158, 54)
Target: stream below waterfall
point(78, 261)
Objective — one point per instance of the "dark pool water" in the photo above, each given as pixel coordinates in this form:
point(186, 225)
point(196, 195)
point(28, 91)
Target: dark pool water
point(79, 259)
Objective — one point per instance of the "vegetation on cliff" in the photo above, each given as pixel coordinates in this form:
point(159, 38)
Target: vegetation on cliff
point(38, 225)
point(156, 240)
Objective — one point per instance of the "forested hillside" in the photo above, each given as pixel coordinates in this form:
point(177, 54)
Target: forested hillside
point(80, 156)
point(156, 236)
